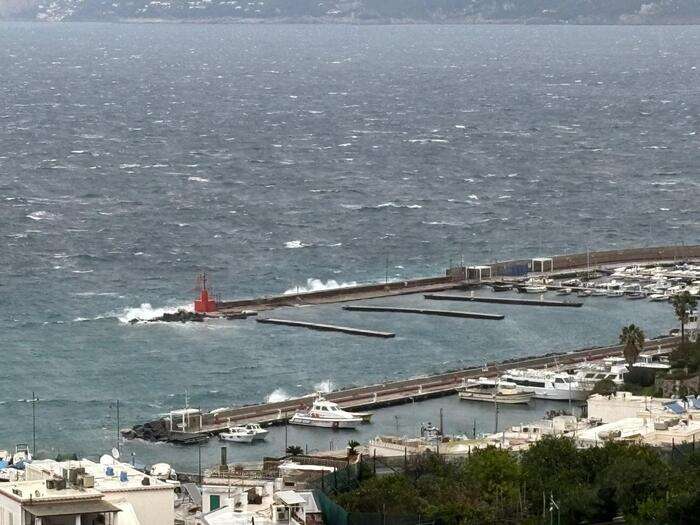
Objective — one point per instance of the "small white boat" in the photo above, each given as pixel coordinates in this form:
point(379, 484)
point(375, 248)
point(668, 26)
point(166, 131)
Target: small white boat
point(238, 435)
point(658, 297)
point(536, 288)
point(259, 432)
point(599, 292)
point(325, 414)
point(636, 295)
point(584, 293)
point(490, 390)
point(564, 291)
point(614, 293)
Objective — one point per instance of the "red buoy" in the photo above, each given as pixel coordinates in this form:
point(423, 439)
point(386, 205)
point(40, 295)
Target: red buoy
point(204, 304)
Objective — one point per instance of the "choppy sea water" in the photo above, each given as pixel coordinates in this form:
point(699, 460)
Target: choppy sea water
point(134, 156)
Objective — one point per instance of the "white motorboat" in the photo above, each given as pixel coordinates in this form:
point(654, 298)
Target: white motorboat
point(260, 432)
point(584, 293)
point(564, 291)
point(238, 435)
point(658, 297)
point(636, 295)
point(599, 292)
point(546, 384)
point(612, 368)
point(614, 293)
point(326, 414)
point(535, 288)
point(485, 389)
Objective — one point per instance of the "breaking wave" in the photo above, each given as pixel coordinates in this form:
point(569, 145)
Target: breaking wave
point(276, 396)
point(146, 312)
point(325, 386)
point(315, 285)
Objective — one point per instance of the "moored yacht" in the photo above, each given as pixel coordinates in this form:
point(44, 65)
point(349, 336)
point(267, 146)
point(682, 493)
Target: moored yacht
point(546, 384)
point(326, 414)
point(238, 435)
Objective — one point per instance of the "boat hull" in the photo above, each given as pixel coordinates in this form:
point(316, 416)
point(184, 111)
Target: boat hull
point(514, 399)
point(325, 423)
point(232, 438)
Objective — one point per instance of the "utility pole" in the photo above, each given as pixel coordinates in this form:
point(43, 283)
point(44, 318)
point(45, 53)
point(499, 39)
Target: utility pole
point(34, 400)
point(386, 268)
point(118, 440)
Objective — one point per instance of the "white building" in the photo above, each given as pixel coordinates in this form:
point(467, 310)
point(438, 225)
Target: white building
point(125, 495)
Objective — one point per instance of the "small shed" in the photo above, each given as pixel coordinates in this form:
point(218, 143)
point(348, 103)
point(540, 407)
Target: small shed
point(479, 272)
point(542, 264)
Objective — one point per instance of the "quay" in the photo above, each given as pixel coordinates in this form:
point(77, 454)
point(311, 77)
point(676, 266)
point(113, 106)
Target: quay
point(458, 278)
point(327, 327)
point(501, 300)
point(424, 311)
point(194, 422)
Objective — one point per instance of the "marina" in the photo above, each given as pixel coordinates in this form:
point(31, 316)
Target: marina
point(377, 396)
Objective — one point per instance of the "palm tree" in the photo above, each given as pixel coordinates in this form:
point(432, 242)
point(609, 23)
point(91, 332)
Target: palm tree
point(683, 303)
point(632, 337)
point(295, 450)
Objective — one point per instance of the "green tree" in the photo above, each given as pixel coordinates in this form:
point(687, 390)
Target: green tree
point(632, 337)
point(605, 387)
point(352, 446)
point(683, 303)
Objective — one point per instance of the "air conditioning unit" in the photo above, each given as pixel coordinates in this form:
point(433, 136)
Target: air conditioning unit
point(86, 481)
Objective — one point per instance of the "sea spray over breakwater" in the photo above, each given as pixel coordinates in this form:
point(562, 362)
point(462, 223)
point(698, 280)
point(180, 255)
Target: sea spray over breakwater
point(146, 312)
point(277, 395)
point(315, 285)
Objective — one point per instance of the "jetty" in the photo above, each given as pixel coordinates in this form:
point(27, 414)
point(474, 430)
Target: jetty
point(502, 300)
point(457, 278)
point(326, 327)
point(424, 311)
point(194, 422)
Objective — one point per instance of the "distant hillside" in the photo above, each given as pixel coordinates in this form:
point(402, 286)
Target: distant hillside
point(365, 11)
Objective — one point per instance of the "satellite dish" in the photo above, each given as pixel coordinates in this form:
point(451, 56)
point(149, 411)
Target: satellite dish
point(115, 453)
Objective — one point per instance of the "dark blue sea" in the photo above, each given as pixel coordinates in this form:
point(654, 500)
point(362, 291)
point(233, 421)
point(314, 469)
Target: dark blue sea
point(273, 157)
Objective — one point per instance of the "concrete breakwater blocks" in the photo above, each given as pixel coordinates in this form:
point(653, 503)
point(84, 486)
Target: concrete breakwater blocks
point(501, 300)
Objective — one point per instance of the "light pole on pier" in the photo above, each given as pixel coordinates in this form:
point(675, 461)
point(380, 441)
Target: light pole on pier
point(34, 400)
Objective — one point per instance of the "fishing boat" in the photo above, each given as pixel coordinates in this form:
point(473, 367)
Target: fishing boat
point(238, 435)
point(484, 389)
point(326, 414)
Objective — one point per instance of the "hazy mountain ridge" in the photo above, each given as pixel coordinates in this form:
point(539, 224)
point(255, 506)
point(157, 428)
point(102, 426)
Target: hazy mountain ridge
point(364, 11)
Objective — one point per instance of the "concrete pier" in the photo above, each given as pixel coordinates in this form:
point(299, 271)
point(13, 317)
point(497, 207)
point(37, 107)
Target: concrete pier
point(327, 327)
point(424, 311)
point(501, 300)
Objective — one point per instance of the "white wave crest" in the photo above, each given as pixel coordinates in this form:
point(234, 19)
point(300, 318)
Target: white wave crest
point(295, 244)
point(146, 312)
point(315, 285)
point(325, 386)
point(41, 216)
point(276, 396)
point(197, 179)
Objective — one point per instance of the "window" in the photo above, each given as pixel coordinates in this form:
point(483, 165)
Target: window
point(214, 501)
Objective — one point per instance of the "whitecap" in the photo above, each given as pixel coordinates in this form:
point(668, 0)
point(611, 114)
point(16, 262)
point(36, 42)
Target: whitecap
point(197, 179)
point(295, 244)
point(41, 216)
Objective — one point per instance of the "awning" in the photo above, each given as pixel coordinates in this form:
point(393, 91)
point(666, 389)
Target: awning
point(70, 508)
